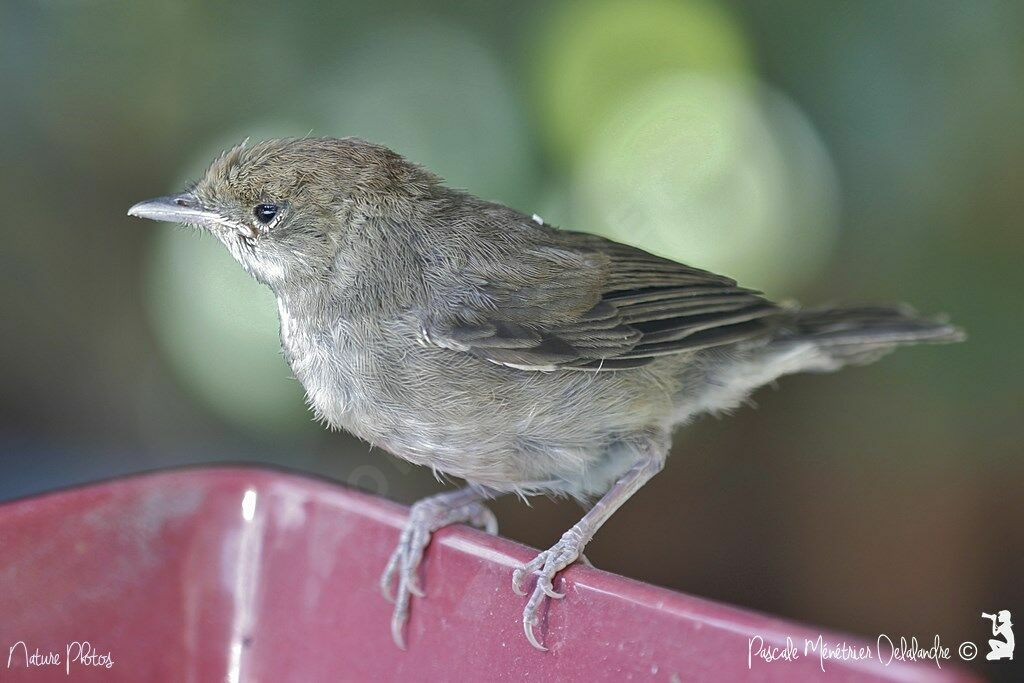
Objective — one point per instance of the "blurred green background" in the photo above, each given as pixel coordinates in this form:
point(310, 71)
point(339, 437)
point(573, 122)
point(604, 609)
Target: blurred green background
point(829, 152)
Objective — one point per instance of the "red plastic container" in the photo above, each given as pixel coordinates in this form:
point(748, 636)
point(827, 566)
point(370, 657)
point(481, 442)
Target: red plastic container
point(239, 574)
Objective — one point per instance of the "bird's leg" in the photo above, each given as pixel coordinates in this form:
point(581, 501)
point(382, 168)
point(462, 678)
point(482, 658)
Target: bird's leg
point(425, 517)
point(570, 547)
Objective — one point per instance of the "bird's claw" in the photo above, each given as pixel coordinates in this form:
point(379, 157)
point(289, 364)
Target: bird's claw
point(425, 517)
point(483, 519)
point(546, 566)
point(528, 625)
point(549, 590)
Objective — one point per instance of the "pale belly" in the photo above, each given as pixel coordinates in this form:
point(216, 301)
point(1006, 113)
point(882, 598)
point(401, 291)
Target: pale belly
point(469, 418)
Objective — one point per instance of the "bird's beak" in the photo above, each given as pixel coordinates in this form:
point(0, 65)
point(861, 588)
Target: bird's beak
point(180, 208)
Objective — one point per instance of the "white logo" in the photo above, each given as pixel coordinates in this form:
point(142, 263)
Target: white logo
point(1001, 626)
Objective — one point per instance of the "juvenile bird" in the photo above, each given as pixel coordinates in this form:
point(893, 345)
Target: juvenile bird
point(481, 342)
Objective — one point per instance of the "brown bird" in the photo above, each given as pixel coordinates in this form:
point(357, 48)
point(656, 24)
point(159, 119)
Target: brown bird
point(466, 336)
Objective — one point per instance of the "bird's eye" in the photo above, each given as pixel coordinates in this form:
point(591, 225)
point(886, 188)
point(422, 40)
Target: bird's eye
point(265, 212)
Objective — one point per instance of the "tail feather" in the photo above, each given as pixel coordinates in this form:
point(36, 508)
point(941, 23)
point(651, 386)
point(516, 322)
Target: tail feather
point(861, 334)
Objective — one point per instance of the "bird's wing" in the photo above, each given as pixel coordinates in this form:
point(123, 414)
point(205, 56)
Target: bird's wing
point(588, 303)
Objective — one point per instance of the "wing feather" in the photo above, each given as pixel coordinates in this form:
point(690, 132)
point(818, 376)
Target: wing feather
point(586, 303)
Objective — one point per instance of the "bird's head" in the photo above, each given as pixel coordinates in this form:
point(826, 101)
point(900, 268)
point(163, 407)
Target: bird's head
point(285, 208)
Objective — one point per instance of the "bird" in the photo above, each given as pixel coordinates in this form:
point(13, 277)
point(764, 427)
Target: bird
point(492, 347)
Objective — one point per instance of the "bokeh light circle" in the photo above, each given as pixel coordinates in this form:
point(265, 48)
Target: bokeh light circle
point(720, 173)
point(592, 54)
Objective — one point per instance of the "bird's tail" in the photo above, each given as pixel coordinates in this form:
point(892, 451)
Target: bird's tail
point(861, 334)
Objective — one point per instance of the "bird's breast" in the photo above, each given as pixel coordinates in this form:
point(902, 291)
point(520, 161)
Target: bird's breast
point(347, 367)
point(317, 355)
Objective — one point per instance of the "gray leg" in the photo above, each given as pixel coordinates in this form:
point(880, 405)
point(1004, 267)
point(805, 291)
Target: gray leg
point(426, 517)
point(570, 547)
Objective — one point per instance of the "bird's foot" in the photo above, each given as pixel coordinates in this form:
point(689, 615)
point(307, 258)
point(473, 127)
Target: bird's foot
point(426, 517)
point(546, 566)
